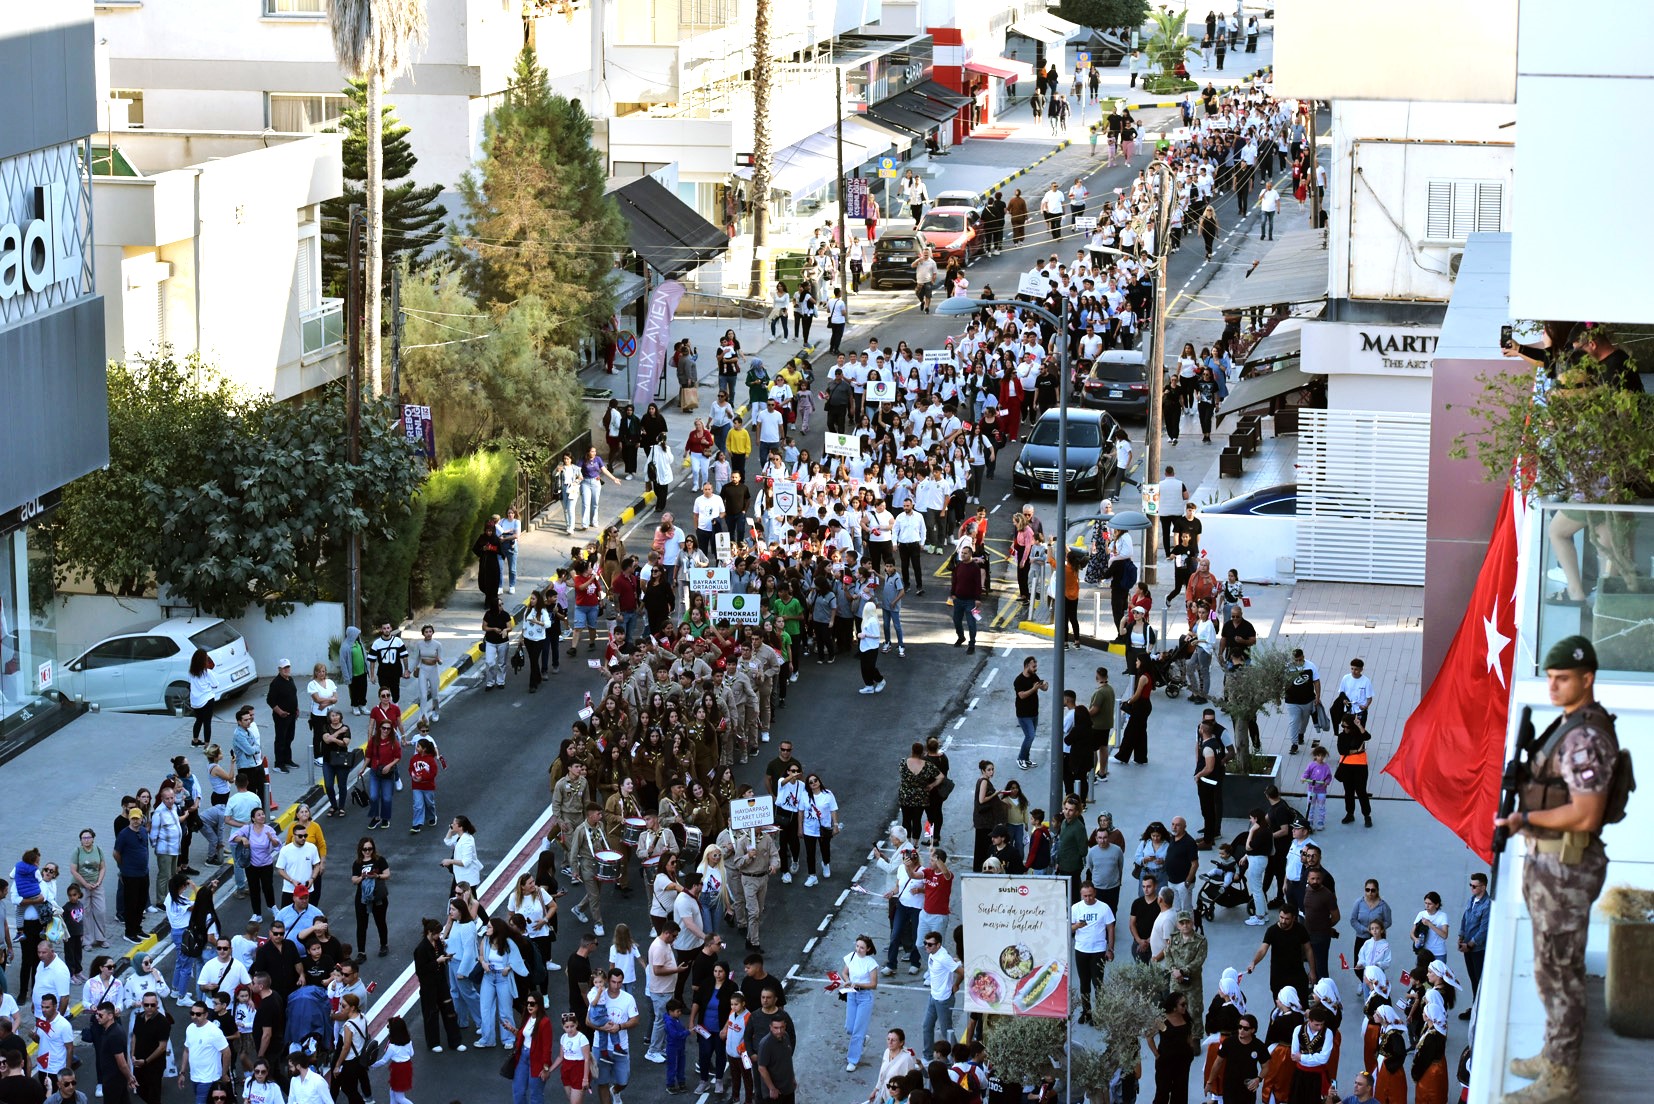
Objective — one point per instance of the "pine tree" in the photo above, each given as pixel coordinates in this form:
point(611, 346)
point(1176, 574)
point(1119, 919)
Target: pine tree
point(537, 222)
point(413, 217)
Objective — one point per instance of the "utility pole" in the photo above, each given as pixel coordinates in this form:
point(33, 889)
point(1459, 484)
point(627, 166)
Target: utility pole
point(1314, 192)
point(843, 242)
point(1157, 366)
point(353, 405)
point(762, 69)
point(396, 336)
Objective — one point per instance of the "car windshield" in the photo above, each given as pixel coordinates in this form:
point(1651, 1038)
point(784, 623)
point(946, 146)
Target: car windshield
point(936, 221)
point(897, 245)
point(215, 636)
point(1080, 434)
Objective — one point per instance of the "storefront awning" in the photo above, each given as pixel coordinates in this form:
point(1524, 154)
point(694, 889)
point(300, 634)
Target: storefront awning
point(892, 115)
point(942, 94)
point(664, 230)
point(1002, 67)
point(898, 141)
point(1265, 388)
point(858, 148)
point(626, 287)
point(798, 171)
point(1278, 346)
point(922, 105)
point(1042, 27)
point(1293, 271)
point(1068, 27)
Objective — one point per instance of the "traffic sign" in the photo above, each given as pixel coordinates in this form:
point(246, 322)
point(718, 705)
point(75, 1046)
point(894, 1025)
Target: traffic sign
point(887, 167)
point(626, 343)
point(1082, 59)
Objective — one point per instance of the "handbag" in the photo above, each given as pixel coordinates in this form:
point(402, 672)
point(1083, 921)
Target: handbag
point(359, 790)
point(508, 1068)
point(945, 789)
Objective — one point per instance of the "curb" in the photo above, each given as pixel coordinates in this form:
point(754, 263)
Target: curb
point(1025, 170)
point(1040, 629)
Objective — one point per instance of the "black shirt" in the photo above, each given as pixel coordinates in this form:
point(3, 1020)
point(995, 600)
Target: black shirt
point(1029, 706)
point(283, 694)
point(278, 962)
point(1300, 687)
point(579, 971)
point(271, 1014)
point(151, 1035)
point(1143, 913)
point(496, 625)
point(1234, 630)
point(1241, 1063)
point(1009, 859)
point(758, 1028)
point(1189, 527)
point(22, 1090)
point(1617, 371)
point(1280, 815)
point(776, 1056)
point(111, 1045)
point(774, 772)
point(1286, 957)
point(1182, 856)
point(753, 988)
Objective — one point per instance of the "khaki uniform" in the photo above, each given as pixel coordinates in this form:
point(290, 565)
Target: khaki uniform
point(1563, 876)
point(732, 878)
point(756, 860)
point(587, 841)
point(568, 809)
point(615, 812)
point(731, 744)
point(746, 729)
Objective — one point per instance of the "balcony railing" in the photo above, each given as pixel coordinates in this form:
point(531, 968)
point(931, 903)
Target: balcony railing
point(324, 327)
point(1596, 578)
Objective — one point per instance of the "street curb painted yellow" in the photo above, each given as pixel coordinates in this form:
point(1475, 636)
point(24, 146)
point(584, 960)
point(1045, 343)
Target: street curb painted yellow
point(1038, 628)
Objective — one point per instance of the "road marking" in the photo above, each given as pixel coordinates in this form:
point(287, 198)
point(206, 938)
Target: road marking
point(993, 673)
point(842, 897)
point(995, 510)
point(957, 723)
point(862, 870)
point(811, 945)
point(826, 921)
point(1005, 651)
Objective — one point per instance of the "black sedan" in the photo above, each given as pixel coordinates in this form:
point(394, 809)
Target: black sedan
point(1090, 453)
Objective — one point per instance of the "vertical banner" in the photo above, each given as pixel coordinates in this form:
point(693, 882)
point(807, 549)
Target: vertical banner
point(655, 340)
point(1016, 945)
point(858, 202)
point(419, 430)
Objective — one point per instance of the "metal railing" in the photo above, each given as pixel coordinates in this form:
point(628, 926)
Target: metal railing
point(537, 490)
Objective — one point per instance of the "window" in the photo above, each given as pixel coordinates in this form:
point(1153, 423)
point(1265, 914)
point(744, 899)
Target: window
point(134, 105)
point(307, 261)
point(220, 634)
point(145, 648)
point(111, 653)
point(302, 9)
point(1458, 208)
point(292, 113)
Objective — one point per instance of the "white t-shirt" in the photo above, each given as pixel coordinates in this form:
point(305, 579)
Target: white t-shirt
point(622, 1007)
point(223, 977)
point(1093, 938)
point(573, 1046)
point(298, 861)
point(1358, 690)
point(708, 509)
point(1434, 943)
point(686, 910)
point(54, 1039)
point(939, 968)
point(626, 963)
point(205, 1042)
point(817, 811)
point(768, 423)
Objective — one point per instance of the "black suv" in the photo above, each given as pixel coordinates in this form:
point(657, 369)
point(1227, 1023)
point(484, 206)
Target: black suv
point(893, 259)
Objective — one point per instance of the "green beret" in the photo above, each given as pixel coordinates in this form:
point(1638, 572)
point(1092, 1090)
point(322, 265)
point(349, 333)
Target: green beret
point(1571, 653)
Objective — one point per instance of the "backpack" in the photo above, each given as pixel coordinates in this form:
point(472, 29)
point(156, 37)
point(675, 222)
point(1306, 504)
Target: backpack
point(1040, 859)
point(193, 941)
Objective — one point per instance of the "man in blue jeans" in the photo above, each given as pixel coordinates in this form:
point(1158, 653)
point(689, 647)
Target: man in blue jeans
point(966, 590)
point(943, 974)
point(1027, 687)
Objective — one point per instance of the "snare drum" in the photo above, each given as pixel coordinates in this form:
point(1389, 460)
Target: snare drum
point(651, 867)
point(631, 829)
point(609, 865)
point(691, 850)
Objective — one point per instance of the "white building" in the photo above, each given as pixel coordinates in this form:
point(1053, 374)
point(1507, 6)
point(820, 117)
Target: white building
point(211, 242)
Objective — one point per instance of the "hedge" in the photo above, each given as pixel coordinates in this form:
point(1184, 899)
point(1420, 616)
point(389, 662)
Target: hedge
point(458, 498)
point(387, 566)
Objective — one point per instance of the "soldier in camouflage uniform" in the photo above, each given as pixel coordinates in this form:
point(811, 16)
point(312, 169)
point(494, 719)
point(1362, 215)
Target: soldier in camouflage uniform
point(1560, 817)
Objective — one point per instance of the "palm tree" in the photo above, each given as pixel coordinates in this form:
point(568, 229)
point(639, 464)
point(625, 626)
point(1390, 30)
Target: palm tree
point(762, 69)
point(372, 40)
point(1168, 43)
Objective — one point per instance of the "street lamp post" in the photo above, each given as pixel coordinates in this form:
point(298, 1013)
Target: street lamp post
point(1157, 361)
point(960, 306)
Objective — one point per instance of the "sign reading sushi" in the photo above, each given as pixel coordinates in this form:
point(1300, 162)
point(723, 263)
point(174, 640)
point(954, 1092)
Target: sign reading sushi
point(1016, 945)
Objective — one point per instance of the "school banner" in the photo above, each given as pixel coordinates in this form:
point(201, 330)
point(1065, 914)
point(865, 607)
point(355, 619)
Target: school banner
point(1016, 945)
point(655, 341)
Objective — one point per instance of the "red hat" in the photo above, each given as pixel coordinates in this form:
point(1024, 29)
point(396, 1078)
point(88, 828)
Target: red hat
point(301, 893)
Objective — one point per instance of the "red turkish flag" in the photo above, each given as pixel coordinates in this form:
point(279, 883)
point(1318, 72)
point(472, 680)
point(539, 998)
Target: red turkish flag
point(1453, 746)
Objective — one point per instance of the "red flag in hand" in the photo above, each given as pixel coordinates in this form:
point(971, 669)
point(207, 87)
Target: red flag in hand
point(1452, 748)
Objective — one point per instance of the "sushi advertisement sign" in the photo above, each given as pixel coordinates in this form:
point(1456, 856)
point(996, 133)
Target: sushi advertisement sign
point(1016, 945)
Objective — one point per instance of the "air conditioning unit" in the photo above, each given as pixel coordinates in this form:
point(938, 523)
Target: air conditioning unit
point(1454, 259)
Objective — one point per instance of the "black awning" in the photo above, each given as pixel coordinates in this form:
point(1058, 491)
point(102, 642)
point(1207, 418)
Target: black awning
point(921, 104)
point(943, 94)
point(894, 115)
point(666, 232)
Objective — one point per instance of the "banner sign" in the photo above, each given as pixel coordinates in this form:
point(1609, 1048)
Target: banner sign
point(420, 431)
point(656, 340)
point(1034, 283)
point(737, 609)
point(786, 499)
point(847, 445)
point(1016, 945)
point(881, 391)
point(709, 580)
point(938, 356)
point(726, 554)
point(858, 202)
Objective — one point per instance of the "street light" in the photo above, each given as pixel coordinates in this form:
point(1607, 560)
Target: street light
point(958, 305)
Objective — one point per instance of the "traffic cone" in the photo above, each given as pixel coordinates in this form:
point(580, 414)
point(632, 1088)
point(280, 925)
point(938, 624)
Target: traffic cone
point(268, 787)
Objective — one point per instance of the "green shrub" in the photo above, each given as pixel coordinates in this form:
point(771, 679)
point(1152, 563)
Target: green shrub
point(1169, 83)
point(388, 565)
point(451, 503)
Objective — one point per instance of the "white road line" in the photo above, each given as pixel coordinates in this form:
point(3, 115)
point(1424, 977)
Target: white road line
point(1005, 651)
point(995, 510)
point(811, 945)
point(825, 922)
point(973, 703)
point(842, 897)
point(957, 723)
point(993, 672)
point(859, 873)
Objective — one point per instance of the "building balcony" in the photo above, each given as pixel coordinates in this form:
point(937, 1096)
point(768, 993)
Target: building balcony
point(324, 330)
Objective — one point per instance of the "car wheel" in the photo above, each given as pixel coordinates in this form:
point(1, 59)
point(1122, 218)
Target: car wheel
point(176, 697)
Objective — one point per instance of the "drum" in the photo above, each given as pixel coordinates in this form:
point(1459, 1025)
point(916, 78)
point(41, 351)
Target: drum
point(651, 867)
point(609, 865)
point(691, 851)
point(630, 830)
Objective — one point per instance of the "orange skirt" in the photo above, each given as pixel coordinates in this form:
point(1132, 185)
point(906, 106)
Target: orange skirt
point(1390, 1088)
point(1332, 1064)
point(1277, 1077)
point(1432, 1087)
point(1369, 1048)
point(1211, 1060)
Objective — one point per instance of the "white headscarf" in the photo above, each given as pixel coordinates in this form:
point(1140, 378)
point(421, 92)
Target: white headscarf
point(1288, 999)
point(1445, 972)
point(1389, 1016)
point(1326, 991)
point(1435, 1011)
point(1374, 976)
point(1229, 986)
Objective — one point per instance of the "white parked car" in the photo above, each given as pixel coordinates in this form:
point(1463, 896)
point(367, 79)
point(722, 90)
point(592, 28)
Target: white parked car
point(149, 669)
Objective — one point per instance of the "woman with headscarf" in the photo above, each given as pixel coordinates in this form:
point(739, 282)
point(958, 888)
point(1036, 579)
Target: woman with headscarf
point(1222, 1018)
point(1438, 978)
point(1377, 996)
point(1185, 958)
point(1326, 995)
point(1287, 1018)
point(1389, 1067)
point(1430, 1058)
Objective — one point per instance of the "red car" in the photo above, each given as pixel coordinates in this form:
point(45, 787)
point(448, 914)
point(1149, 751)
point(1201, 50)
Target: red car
point(952, 233)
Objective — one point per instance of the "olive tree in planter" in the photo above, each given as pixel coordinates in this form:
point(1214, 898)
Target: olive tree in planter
point(1248, 693)
point(1124, 1010)
point(1629, 989)
point(1024, 1049)
point(1574, 440)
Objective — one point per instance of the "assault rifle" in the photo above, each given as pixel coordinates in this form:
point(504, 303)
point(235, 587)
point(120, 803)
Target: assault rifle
point(1518, 773)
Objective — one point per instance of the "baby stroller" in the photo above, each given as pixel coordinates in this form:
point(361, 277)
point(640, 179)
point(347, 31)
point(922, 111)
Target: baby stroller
point(1168, 666)
point(1221, 886)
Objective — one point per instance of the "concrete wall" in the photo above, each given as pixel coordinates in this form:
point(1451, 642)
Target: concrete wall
point(1252, 546)
point(303, 636)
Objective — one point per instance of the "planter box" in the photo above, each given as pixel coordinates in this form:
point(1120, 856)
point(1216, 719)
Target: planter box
point(1628, 990)
point(1245, 791)
point(1622, 627)
point(1229, 463)
point(1286, 420)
